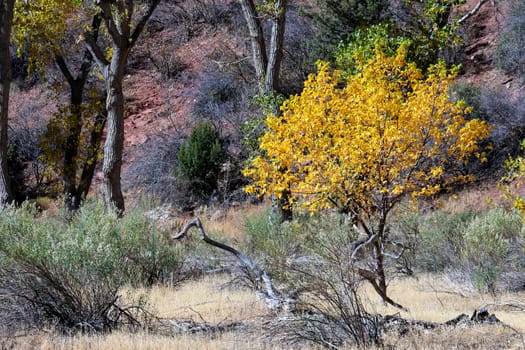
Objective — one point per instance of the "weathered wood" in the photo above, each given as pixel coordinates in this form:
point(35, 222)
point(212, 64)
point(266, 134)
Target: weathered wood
point(273, 298)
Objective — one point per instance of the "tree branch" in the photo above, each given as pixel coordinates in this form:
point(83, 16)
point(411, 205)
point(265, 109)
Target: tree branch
point(62, 65)
point(371, 277)
point(143, 20)
point(395, 244)
point(111, 26)
point(271, 294)
point(472, 11)
point(95, 51)
point(362, 245)
point(87, 60)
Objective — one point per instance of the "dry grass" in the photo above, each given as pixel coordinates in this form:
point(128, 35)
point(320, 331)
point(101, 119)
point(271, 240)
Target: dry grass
point(208, 299)
point(428, 298)
point(475, 199)
point(231, 223)
point(478, 337)
point(432, 298)
point(136, 341)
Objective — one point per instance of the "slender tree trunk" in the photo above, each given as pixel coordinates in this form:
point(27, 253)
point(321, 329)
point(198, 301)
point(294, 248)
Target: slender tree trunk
point(114, 144)
point(378, 253)
point(74, 194)
point(74, 127)
point(267, 67)
point(260, 58)
point(88, 171)
point(380, 267)
point(6, 22)
point(276, 48)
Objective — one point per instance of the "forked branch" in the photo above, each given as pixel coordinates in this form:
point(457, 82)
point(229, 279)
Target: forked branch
point(273, 298)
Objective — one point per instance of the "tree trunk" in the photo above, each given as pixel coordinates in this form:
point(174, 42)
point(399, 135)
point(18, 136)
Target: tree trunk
point(267, 67)
point(88, 171)
point(6, 22)
point(74, 127)
point(260, 59)
point(380, 267)
point(378, 255)
point(114, 144)
point(276, 48)
point(281, 210)
point(118, 21)
point(74, 194)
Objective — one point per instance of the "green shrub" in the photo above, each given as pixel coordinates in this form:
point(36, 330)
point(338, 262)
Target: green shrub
point(71, 274)
point(487, 239)
point(277, 244)
point(200, 159)
point(481, 247)
point(362, 43)
point(338, 19)
point(441, 240)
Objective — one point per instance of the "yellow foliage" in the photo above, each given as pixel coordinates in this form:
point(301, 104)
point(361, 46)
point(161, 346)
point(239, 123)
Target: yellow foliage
point(512, 182)
point(363, 143)
point(40, 27)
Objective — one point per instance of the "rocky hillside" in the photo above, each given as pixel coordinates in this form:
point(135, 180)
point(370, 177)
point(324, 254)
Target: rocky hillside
point(193, 64)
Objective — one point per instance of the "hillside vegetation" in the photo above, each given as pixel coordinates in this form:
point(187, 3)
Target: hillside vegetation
point(262, 174)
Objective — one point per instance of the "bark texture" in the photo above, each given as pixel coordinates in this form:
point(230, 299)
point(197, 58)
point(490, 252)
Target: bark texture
point(266, 58)
point(6, 22)
point(275, 55)
point(118, 18)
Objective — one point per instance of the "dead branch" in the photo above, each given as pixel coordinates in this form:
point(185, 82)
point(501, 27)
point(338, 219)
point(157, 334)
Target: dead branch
point(517, 305)
point(360, 245)
point(273, 299)
point(472, 11)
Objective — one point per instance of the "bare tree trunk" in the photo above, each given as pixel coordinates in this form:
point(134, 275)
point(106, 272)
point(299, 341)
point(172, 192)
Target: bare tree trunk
point(88, 171)
point(276, 48)
point(376, 275)
point(74, 127)
point(267, 67)
point(119, 21)
point(260, 59)
point(114, 144)
point(267, 64)
point(380, 267)
point(6, 22)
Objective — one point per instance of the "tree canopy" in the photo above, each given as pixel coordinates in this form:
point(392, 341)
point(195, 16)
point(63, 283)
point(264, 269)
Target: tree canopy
point(363, 144)
point(389, 132)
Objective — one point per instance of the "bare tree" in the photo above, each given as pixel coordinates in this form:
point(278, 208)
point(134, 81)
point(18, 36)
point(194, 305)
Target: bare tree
point(6, 23)
point(266, 60)
point(124, 26)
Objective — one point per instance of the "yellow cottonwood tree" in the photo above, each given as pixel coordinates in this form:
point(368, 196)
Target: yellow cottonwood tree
point(362, 144)
point(49, 31)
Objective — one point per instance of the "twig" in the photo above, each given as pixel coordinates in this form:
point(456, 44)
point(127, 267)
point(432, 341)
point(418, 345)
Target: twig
point(198, 314)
